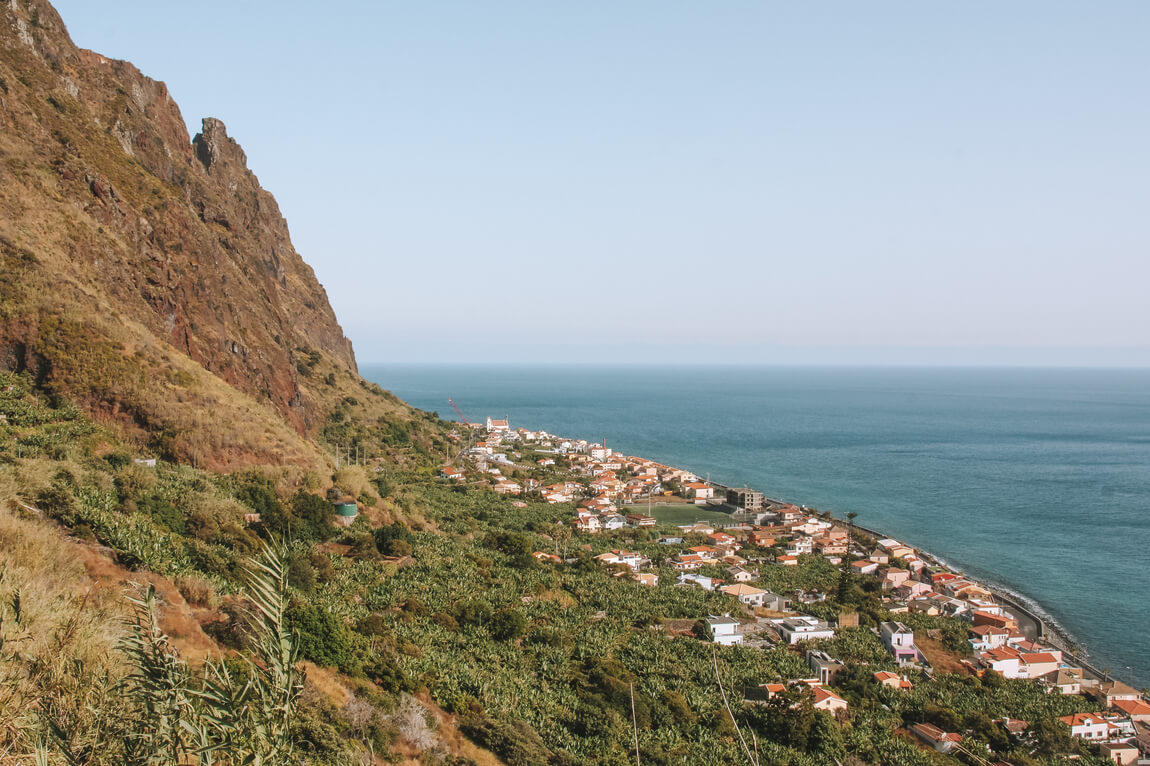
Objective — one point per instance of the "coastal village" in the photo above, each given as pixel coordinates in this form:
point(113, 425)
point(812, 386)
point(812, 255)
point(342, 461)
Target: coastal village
point(614, 493)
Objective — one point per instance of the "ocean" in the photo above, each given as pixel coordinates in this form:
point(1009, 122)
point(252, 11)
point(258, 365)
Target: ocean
point(1035, 480)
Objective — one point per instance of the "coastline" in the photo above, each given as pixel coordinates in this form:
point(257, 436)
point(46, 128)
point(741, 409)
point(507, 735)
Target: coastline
point(1035, 621)
point(1033, 615)
point(989, 468)
point(1030, 613)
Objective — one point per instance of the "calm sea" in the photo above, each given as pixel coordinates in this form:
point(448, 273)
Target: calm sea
point(1035, 480)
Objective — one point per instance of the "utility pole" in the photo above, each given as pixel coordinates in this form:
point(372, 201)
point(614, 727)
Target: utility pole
point(634, 723)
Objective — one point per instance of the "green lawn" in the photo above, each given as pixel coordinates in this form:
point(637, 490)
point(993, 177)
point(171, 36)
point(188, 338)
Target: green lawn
point(682, 513)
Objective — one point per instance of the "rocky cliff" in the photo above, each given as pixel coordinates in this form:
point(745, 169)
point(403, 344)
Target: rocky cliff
point(141, 272)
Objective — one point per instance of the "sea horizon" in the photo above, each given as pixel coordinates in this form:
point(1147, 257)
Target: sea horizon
point(375, 364)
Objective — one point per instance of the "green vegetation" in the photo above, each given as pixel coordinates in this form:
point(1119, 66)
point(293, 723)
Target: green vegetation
point(675, 514)
point(538, 662)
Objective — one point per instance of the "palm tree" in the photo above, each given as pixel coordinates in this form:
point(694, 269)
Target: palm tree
point(851, 516)
point(561, 535)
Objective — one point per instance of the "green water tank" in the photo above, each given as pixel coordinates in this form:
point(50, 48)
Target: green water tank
point(346, 509)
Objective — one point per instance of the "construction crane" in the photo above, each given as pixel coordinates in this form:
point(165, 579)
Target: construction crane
point(465, 421)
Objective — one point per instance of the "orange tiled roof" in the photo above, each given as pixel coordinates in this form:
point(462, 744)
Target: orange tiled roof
point(1131, 707)
point(1037, 657)
point(824, 694)
point(1082, 719)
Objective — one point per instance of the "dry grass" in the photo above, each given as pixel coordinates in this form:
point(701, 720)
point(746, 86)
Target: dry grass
point(354, 481)
point(560, 597)
point(63, 623)
point(939, 657)
point(197, 591)
point(327, 682)
point(447, 737)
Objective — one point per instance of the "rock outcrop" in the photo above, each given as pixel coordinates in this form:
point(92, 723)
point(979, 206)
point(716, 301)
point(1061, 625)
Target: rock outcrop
point(122, 241)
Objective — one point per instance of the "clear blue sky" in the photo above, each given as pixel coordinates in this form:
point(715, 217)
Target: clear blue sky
point(684, 181)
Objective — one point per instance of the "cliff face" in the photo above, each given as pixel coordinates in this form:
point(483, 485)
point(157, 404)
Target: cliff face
point(124, 246)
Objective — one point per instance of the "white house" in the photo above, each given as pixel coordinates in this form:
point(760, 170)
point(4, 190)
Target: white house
point(1116, 690)
point(626, 558)
point(801, 546)
point(747, 594)
point(611, 521)
point(802, 628)
point(738, 574)
point(912, 589)
point(790, 514)
point(899, 640)
point(505, 487)
point(725, 630)
point(813, 526)
point(706, 583)
point(1136, 710)
point(698, 490)
point(827, 700)
point(1003, 660)
point(706, 552)
point(686, 562)
point(1038, 664)
point(1090, 726)
point(587, 522)
point(986, 637)
point(1066, 681)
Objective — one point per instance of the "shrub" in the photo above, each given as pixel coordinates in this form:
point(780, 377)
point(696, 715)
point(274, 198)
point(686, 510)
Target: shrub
point(398, 548)
point(197, 591)
point(301, 574)
point(353, 481)
point(385, 535)
point(323, 638)
point(472, 613)
point(517, 743)
point(507, 625)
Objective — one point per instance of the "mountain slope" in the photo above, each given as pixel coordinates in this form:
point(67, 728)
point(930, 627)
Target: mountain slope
point(145, 274)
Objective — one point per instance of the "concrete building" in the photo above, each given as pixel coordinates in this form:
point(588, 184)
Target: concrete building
point(747, 499)
point(725, 630)
point(802, 628)
point(899, 639)
point(825, 667)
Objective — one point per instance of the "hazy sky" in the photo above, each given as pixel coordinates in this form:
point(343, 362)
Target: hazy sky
point(686, 181)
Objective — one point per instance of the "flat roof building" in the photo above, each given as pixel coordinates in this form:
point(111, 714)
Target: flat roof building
point(748, 499)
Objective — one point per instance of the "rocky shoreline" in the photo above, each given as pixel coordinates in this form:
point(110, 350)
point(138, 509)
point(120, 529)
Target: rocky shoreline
point(1033, 624)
